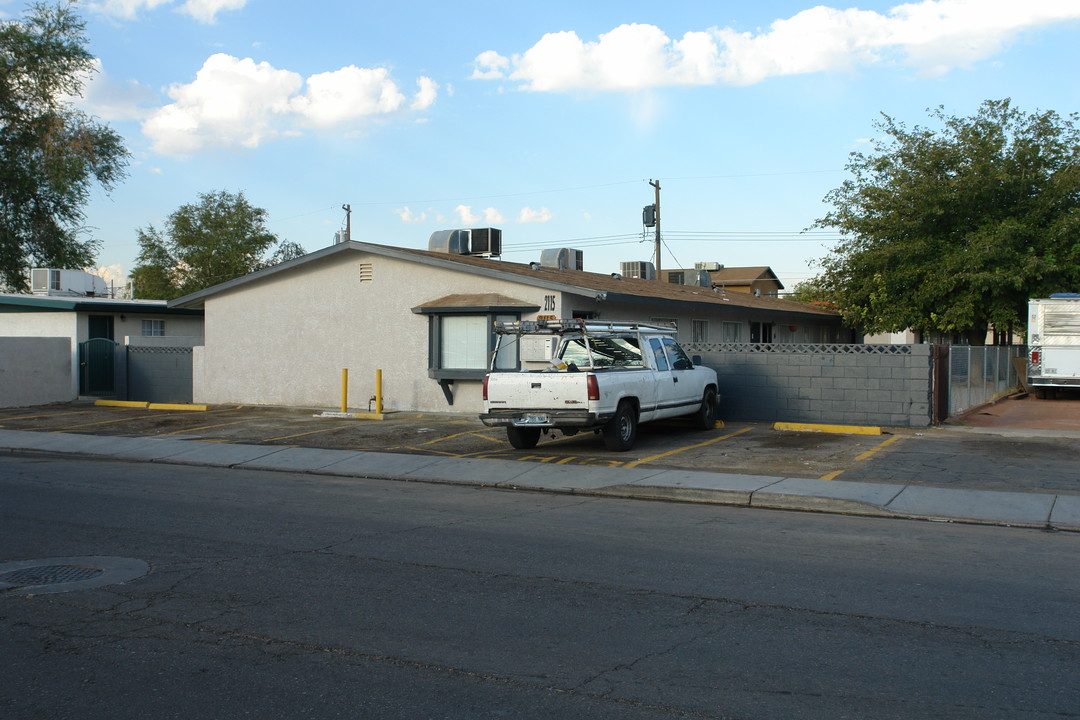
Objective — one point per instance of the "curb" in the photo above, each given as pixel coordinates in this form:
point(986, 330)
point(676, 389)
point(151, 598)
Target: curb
point(820, 427)
point(150, 406)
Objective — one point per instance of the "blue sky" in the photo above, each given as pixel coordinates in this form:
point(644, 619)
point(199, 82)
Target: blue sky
point(546, 119)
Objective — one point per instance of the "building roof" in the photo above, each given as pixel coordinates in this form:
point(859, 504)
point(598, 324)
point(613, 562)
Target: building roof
point(12, 302)
point(744, 275)
point(610, 287)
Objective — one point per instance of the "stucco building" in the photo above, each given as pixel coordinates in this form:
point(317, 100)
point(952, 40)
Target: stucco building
point(281, 336)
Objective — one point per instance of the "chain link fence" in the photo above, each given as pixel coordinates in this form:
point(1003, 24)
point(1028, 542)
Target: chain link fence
point(978, 375)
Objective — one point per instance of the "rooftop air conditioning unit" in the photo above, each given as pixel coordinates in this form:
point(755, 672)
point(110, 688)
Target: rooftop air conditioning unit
point(636, 269)
point(710, 266)
point(70, 283)
point(562, 258)
point(698, 278)
point(455, 242)
point(485, 241)
point(474, 241)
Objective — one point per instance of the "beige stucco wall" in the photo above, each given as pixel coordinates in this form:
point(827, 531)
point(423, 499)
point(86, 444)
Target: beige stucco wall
point(285, 339)
point(130, 324)
point(38, 324)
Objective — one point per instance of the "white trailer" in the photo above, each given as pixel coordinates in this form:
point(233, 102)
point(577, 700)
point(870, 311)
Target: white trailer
point(1054, 342)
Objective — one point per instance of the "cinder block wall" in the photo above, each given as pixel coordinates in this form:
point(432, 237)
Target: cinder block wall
point(886, 385)
point(35, 371)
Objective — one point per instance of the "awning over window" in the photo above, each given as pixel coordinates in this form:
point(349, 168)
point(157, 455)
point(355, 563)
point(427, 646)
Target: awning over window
point(475, 303)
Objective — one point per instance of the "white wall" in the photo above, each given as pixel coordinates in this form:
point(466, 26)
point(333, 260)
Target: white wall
point(35, 371)
point(285, 339)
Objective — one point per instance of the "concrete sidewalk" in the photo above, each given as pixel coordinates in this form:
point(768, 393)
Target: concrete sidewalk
point(1036, 510)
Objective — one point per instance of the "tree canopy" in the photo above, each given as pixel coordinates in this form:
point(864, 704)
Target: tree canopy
point(51, 154)
point(953, 229)
point(218, 238)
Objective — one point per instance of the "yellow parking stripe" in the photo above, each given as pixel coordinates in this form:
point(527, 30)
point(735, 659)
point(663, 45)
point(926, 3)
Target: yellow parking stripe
point(204, 427)
point(881, 446)
point(821, 427)
point(864, 456)
point(310, 432)
point(635, 463)
point(450, 437)
point(46, 415)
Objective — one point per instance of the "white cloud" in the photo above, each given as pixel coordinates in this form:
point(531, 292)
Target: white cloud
point(528, 215)
point(466, 216)
point(205, 11)
point(425, 96)
point(933, 35)
point(231, 101)
point(408, 216)
point(489, 65)
point(125, 9)
point(111, 274)
point(235, 101)
point(351, 92)
point(493, 217)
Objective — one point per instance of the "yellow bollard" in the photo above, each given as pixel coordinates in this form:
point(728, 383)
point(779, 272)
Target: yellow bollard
point(378, 391)
point(344, 389)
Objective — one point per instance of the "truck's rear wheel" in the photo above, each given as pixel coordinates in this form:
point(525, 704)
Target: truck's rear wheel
point(522, 438)
point(621, 431)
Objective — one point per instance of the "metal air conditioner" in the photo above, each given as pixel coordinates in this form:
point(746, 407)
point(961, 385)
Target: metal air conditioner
point(637, 269)
point(562, 258)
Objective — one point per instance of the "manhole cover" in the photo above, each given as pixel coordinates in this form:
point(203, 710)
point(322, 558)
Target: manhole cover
point(50, 575)
point(54, 575)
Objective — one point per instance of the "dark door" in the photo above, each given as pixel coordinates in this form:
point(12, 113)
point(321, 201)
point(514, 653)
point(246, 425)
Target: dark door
point(101, 326)
point(96, 366)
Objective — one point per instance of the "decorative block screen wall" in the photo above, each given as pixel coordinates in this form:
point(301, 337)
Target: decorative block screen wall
point(887, 385)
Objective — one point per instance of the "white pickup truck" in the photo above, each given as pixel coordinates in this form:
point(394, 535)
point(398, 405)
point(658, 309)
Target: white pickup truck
point(604, 377)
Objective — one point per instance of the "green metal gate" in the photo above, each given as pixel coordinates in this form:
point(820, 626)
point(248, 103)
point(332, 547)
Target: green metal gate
point(96, 376)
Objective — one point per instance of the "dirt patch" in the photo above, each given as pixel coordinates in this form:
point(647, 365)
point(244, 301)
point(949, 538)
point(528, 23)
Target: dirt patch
point(1027, 412)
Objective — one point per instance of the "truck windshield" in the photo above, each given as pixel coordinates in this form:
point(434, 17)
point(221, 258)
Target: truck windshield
point(606, 352)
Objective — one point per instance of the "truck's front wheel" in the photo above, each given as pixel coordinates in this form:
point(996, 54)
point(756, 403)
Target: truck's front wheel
point(621, 431)
point(522, 438)
point(705, 417)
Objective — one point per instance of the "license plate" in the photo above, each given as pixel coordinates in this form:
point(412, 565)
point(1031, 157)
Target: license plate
point(534, 419)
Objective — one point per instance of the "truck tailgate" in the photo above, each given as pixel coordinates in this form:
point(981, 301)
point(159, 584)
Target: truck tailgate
point(538, 390)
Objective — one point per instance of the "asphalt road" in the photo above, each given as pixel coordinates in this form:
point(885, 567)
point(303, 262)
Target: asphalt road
point(279, 596)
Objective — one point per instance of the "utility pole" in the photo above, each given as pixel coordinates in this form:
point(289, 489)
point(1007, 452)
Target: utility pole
point(656, 186)
point(348, 222)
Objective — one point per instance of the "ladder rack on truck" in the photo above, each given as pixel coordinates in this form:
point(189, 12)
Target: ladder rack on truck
point(578, 325)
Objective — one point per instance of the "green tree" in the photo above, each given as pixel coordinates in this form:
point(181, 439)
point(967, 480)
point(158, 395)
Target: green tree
point(50, 153)
point(954, 229)
point(218, 238)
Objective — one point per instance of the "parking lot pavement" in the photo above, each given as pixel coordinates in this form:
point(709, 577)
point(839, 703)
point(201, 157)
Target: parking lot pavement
point(961, 457)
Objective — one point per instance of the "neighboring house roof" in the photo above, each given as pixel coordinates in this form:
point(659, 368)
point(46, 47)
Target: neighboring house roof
point(610, 287)
point(744, 276)
point(10, 302)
